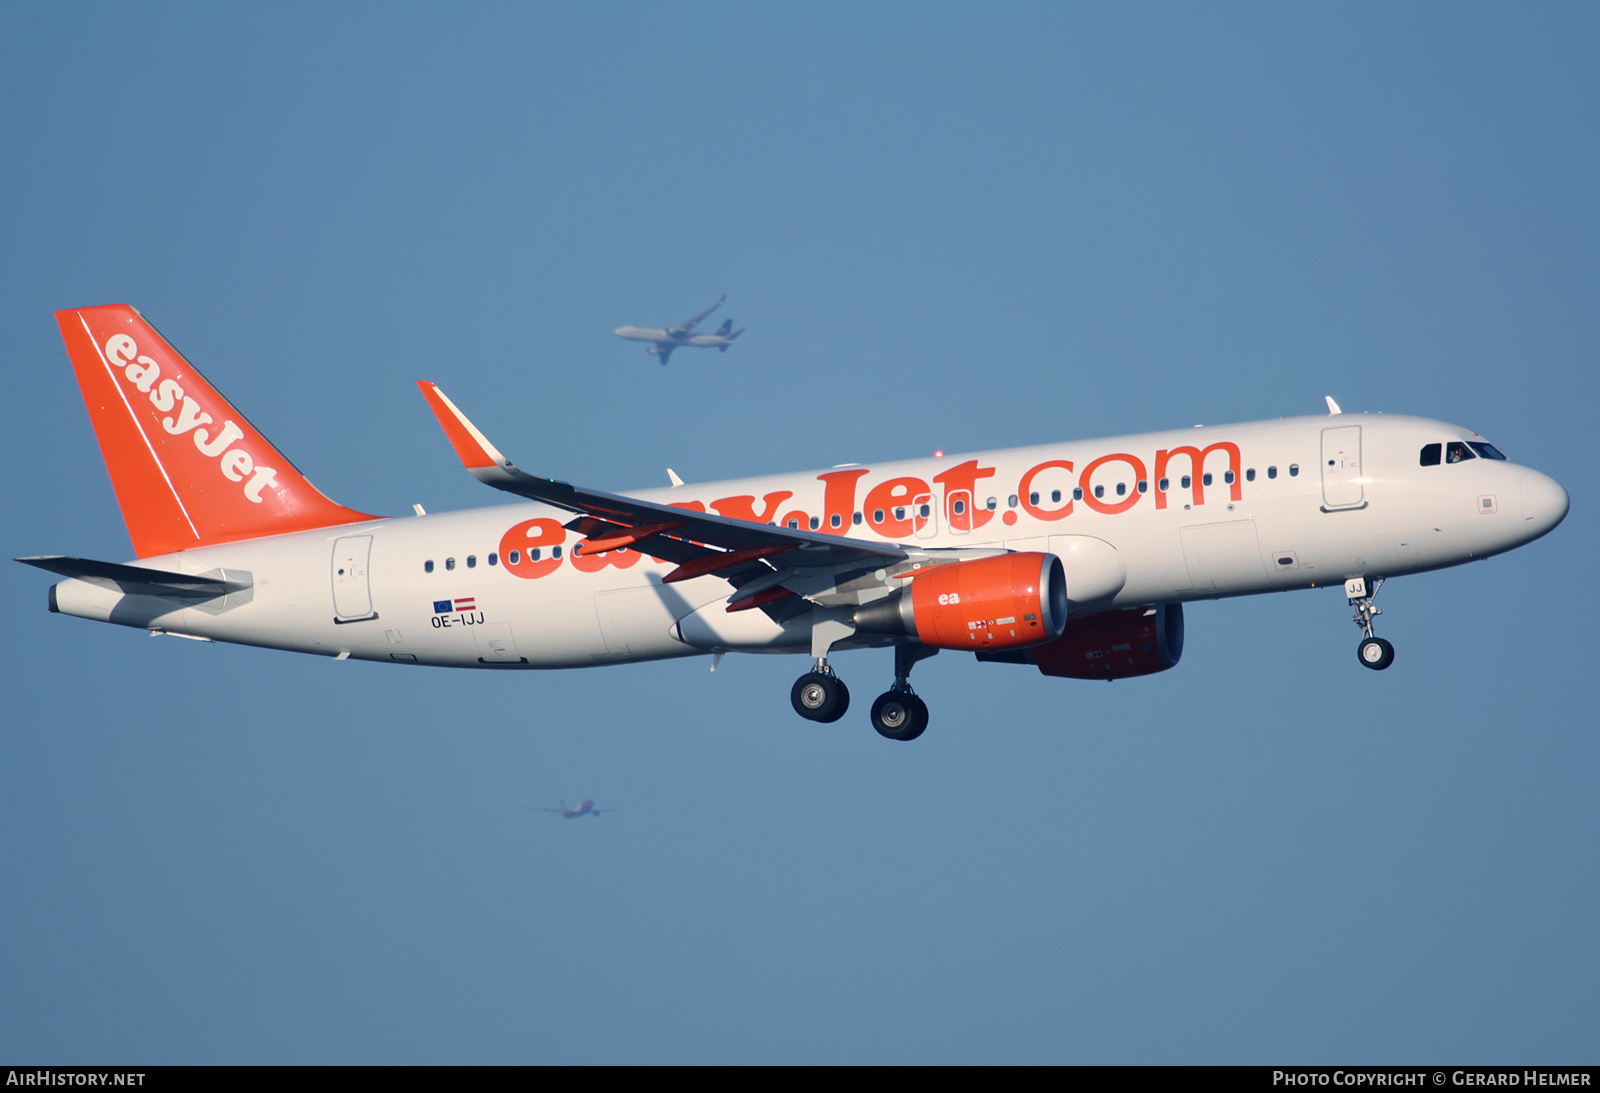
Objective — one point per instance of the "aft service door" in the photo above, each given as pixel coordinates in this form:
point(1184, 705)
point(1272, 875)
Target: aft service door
point(352, 595)
point(1341, 468)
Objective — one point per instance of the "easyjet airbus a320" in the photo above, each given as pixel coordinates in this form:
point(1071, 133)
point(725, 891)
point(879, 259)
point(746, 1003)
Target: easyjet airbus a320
point(1076, 558)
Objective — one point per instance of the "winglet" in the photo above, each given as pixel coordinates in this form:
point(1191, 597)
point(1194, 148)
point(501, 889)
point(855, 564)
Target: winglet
point(1333, 407)
point(472, 447)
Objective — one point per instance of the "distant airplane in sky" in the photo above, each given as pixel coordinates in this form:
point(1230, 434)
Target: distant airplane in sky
point(675, 337)
point(1076, 558)
point(572, 812)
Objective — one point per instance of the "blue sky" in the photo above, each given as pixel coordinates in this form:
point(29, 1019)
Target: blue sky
point(945, 226)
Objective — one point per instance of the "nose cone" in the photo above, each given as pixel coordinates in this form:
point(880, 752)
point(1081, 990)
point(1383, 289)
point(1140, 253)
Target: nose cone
point(1544, 503)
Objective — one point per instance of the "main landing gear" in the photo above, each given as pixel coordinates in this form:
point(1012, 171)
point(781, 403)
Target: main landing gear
point(819, 695)
point(1373, 652)
point(897, 714)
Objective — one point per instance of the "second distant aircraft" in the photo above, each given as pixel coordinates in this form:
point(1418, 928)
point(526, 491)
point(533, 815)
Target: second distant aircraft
point(675, 337)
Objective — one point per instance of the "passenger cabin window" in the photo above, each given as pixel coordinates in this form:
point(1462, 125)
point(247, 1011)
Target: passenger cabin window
point(1033, 498)
point(1011, 502)
point(1077, 493)
point(835, 521)
point(1250, 475)
point(958, 506)
point(1185, 481)
point(1294, 470)
point(1488, 451)
point(514, 557)
point(877, 516)
point(991, 504)
point(1122, 488)
point(794, 525)
point(816, 522)
point(1055, 496)
point(1457, 452)
point(1272, 472)
point(1205, 479)
point(855, 519)
point(472, 561)
point(1228, 478)
point(449, 563)
point(1144, 485)
point(427, 566)
point(555, 552)
point(494, 559)
point(1431, 454)
point(1099, 491)
point(1164, 485)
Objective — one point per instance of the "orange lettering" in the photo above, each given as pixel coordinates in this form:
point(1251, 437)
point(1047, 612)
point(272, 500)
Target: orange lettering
point(839, 499)
point(532, 533)
point(965, 478)
point(1025, 491)
point(885, 497)
point(1112, 507)
point(1197, 468)
point(744, 507)
point(622, 558)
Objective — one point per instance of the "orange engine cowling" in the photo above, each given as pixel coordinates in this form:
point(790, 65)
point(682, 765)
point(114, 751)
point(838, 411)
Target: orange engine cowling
point(1009, 601)
point(1113, 645)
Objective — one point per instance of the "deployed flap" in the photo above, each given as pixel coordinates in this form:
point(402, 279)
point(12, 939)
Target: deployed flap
point(135, 580)
point(188, 469)
point(804, 549)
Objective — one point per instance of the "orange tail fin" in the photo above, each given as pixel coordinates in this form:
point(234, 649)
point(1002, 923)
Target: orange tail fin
point(188, 469)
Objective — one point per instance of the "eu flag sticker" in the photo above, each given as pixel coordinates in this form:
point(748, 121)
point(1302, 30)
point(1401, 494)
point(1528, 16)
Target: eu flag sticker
point(442, 607)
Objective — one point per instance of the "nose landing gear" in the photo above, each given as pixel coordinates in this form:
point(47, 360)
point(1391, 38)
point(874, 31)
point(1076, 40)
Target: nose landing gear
point(1373, 652)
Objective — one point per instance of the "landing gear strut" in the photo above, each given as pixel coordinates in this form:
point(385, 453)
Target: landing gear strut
point(898, 713)
point(819, 695)
point(1373, 652)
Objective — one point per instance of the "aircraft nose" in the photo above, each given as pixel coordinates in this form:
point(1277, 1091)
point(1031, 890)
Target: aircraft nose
point(1544, 502)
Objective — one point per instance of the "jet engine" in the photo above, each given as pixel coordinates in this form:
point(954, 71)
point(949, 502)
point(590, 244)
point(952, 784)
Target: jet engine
point(1139, 641)
point(1008, 601)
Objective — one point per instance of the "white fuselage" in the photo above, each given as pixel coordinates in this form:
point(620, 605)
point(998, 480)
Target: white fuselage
point(1307, 502)
point(667, 337)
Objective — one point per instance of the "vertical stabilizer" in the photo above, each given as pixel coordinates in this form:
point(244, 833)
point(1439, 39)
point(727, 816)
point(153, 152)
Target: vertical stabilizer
point(189, 470)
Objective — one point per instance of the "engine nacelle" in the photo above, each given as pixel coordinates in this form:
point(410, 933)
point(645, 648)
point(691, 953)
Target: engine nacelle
point(1009, 601)
point(1139, 641)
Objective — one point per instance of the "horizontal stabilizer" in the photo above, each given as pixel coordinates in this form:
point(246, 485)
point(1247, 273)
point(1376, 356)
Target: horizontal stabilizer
point(136, 580)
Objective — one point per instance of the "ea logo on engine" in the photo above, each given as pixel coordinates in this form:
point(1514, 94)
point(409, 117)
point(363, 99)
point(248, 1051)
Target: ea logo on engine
point(949, 598)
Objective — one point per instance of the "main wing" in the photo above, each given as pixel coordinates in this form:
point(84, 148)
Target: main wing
point(700, 543)
point(684, 328)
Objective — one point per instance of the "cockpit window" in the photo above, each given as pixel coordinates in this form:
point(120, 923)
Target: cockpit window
point(1431, 454)
point(1488, 451)
point(1457, 452)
